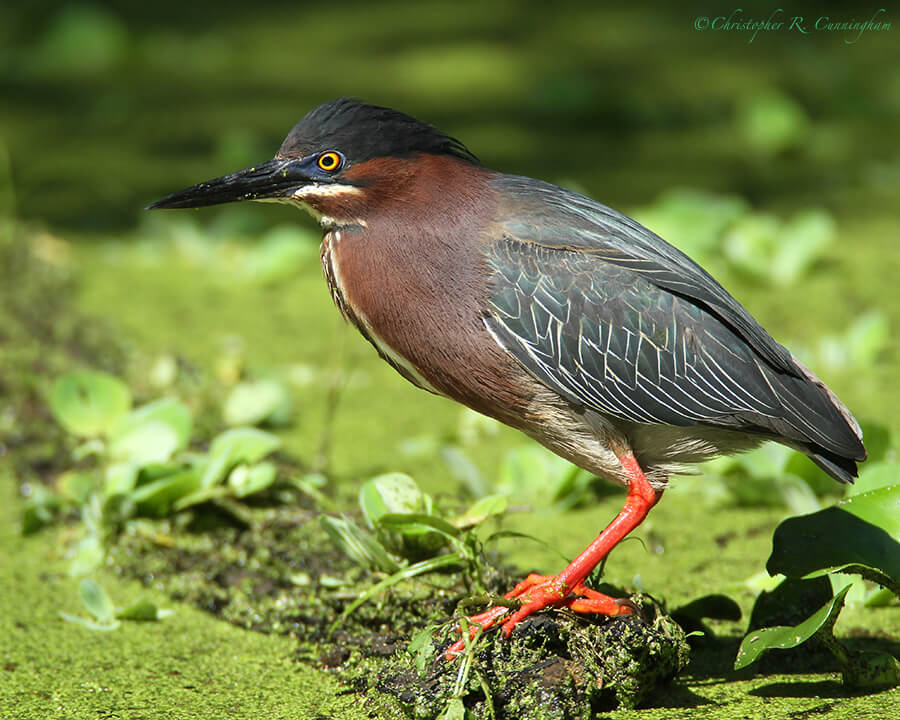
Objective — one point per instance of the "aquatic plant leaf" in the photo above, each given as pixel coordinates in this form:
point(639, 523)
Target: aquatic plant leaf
point(169, 411)
point(390, 493)
point(232, 447)
point(89, 403)
point(421, 647)
point(418, 522)
point(415, 536)
point(120, 478)
point(248, 479)
point(40, 509)
point(878, 441)
point(455, 710)
point(158, 497)
point(88, 556)
point(536, 475)
point(357, 544)
point(142, 610)
point(481, 510)
point(867, 338)
point(96, 600)
point(76, 486)
point(90, 624)
point(802, 242)
point(750, 243)
point(784, 637)
point(280, 254)
point(859, 534)
point(874, 476)
point(150, 442)
point(464, 470)
point(771, 122)
point(251, 402)
point(202, 495)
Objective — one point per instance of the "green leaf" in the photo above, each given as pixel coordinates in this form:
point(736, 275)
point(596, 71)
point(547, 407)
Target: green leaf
point(357, 544)
point(867, 338)
point(802, 242)
point(797, 495)
point(141, 610)
point(784, 637)
point(158, 497)
point(280, 254)
point(76, 486)
point(390, 493)
point(252, 402)
point(750, 242)
point(464, 470)
point(481, 510)
point(534, 474)
point(96, 601)
point(88, 403)
point(232, 447)
point(871, 670)
point(396, 497)
point(88, 556)
point(90, 624)
point(421, 647)
point(861, 533)
point(169, 411)
point(874, 476)
point(455, 710)
point(248, 479)
point(40, 509)
point(120, 479)
point(201, 495)
point(151, 442)
point(418, 522)
point(771, 122)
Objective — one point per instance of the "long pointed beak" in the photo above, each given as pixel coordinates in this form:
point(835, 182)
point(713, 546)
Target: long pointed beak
point(273, 179)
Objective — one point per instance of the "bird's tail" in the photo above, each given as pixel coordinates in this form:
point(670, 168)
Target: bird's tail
point(838, 447)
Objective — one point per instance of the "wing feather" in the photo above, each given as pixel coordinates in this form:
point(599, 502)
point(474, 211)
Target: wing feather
point(615, 320)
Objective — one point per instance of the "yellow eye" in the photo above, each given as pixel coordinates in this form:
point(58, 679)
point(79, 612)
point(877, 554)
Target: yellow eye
point(329, 161)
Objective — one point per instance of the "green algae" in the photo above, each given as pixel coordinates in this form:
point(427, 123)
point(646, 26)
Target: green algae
point(554, 665)
point(189, 664)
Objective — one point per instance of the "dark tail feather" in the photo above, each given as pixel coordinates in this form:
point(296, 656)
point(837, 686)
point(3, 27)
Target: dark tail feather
point(841, 468)
point(843, 448)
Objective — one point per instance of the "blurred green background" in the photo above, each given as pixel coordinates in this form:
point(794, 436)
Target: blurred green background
point(775, 163)
point(109, 106)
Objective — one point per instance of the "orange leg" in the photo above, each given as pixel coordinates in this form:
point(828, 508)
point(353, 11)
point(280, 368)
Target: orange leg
point(567, 589)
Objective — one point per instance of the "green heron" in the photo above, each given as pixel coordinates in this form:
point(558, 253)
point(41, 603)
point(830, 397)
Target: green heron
point(543, 309)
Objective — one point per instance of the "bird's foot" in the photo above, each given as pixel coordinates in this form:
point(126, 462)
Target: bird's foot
point(535, 593)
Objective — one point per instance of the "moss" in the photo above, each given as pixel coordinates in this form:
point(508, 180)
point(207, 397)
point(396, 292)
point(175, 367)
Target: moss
point(554, 665)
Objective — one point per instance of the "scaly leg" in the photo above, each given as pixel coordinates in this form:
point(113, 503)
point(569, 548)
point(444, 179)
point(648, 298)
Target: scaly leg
point(567, 589)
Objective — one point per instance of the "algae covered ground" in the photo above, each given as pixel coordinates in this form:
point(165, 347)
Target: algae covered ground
point(769, 161)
